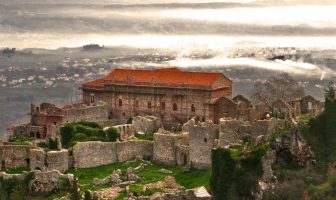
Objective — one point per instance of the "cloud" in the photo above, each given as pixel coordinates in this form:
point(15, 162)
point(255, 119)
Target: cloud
point(285, 15)
point(289, 66)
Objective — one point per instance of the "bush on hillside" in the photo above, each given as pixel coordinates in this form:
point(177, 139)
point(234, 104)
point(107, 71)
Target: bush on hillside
point(112, 134)
point(53, 144)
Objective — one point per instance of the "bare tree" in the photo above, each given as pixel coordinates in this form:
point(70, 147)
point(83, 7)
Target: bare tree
point(282, 87)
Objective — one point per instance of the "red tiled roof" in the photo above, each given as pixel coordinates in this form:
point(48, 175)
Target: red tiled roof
point(164, 77)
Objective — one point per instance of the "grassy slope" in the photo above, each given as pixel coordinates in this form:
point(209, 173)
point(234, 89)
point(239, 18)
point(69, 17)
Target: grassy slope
point(150, 174)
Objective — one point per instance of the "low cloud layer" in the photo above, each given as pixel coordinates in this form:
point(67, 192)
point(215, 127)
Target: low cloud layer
point(289, 66)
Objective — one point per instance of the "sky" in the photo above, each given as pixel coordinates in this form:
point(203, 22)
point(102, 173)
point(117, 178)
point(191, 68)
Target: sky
point(183, 24)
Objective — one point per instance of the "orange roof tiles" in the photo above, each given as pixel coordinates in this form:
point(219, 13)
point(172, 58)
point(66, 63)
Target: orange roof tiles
point(162, 77)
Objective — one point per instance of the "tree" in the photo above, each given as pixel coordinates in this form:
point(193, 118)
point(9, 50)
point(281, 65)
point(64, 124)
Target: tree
point(112, 134)
point(278, 87)
point(329, 91)
point(75, 192)
point(67, 134)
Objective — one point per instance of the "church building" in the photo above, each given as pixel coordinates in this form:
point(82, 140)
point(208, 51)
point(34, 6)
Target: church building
point(171, 94)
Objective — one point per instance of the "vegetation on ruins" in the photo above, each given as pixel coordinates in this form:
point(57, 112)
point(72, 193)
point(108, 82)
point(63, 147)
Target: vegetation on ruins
point(52, 144)
point(86, 131)
point(17, 170)
point(75, 192)
point(236, 171)
point(129, 120)
point(20, 141)
point(282, 87)
point(149, 136)
point(14, 188)
point(150, 174)
point(112, 134)
point(318, 182)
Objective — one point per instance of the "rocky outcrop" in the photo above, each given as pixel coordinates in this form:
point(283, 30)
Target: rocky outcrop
point(198, 194)
point(289, 146)
point(168, 185)
point(114, 178)
point(293, 145)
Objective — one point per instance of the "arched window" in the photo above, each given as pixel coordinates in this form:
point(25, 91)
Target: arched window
point(149, 105)
point(120, 102)
point(92, 98)
point(163, 105)
point(174, 107)
point(193, 108)
point(136, 103)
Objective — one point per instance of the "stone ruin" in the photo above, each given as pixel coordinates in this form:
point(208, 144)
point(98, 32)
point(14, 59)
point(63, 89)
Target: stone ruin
point(168, 148)
point(192, 147)
point(92, 154)
point(234, 131)
point(51, 160)
point(43, 183)
point(202, 138)
point(147, 124)
point(12, 156)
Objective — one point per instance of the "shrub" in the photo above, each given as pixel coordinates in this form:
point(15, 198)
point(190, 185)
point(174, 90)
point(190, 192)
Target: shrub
point(93, 138)
point(129, 120)
point(89, 124)
point(80, 137)
point(101, 134)
point(112, 134)
point(64, 184)
point(83, 129)
point(235, 172)
point(53, 144)
point(87, 195)
point(42, 145)
point(67, 134)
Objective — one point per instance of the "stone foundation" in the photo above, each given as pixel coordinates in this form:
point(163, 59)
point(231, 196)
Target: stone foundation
point(52, 160)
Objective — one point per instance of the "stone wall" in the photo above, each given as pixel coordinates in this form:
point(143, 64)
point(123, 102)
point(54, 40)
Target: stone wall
point(182, 155)
point(93, 112)
point(133, 149)
point(266, 127)
point(147, 124)
point(52, 160)
point(202, 139)
point(229, 132)
point(92, 154)
point(164, 149)
point(14, 155)
point(166, 145)
point(234, 131)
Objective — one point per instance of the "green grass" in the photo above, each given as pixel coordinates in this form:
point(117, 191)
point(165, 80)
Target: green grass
point(149, 136)
point(21, 141)
point(193, 178)
point(121, 196)
point(86, 175)
point(304, 118)
point(17, 170)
